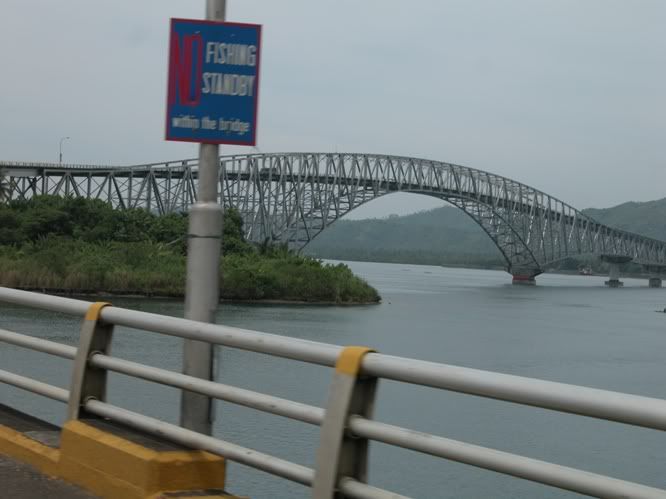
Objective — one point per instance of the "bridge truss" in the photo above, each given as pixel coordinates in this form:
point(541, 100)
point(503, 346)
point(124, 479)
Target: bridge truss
point(293, 197)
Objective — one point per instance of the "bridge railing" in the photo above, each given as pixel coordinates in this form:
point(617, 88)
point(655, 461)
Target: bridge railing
point(57, 166)
point(346, 422)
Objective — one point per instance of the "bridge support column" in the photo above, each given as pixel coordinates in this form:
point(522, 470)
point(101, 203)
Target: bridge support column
point(614, 276)
point(614, 262)
point(655, 273)
point(524, 276)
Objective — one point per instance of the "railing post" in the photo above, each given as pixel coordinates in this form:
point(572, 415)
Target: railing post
point(89, 382)
point(340, 454)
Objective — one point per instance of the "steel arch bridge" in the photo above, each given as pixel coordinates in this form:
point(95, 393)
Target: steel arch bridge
point(293, 197)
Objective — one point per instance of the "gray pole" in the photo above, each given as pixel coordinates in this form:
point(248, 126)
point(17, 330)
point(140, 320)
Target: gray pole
point(61, 140)
point(203, 263)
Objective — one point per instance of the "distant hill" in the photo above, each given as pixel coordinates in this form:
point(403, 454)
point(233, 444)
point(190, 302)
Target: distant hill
point(646, 219)
point(444, 235)
point(447, 236)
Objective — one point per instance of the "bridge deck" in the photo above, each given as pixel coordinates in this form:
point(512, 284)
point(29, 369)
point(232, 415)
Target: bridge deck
point(20, 481)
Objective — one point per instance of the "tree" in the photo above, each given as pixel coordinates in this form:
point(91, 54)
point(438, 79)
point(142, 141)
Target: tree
point(233, 237)
point(5, 187)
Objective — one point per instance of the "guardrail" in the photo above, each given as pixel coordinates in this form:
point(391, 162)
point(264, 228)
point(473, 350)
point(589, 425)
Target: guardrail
point(346, 423)
point(57, 166)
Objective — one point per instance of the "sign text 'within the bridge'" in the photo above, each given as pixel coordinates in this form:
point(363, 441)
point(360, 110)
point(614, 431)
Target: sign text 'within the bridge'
point(213, 82)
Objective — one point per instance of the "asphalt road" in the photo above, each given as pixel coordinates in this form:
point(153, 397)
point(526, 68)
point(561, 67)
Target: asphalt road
point(20, 481)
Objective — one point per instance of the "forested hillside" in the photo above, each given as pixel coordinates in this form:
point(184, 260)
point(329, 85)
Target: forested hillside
point(441, 236)
point(447, 236)
point(647, 219)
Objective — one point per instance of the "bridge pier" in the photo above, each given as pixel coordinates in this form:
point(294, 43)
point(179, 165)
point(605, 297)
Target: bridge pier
point(655, 273)
point(614, 276)
point(524, 276)
point(614, 262)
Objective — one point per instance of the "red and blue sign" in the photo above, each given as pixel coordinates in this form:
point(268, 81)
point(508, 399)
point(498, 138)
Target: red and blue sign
point(213, 82)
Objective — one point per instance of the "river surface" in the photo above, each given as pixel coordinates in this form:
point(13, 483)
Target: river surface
point(567, 328)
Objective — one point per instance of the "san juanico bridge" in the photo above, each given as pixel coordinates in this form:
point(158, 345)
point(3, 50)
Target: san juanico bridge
point(293, 197)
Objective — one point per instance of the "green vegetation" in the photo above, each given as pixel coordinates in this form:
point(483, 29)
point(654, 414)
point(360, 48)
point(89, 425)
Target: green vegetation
point(443, 236)
point(4, 187)
point(647, 219)
point(447, 236)
point(76, 245)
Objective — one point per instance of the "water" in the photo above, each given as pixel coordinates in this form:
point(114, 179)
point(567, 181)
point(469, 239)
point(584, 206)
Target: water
point(568, 328)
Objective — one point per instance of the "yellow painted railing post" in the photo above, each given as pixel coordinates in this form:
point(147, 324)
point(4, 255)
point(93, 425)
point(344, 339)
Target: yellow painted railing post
point(339, 454)
point(89, 382)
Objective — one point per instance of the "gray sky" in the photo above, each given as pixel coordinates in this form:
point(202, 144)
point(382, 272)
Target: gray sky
point(568, 96)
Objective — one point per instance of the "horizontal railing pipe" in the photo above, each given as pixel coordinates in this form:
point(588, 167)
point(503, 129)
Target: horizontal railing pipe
point(625, 408)
point(254, 400)
point(245, 339)
point(38, 344)
point(188, 438)
point(34, 386)
point(602, 404)
point(503, 462)
point(44, 301)
point(263, 462)
point(272, 344)
point(359, 490)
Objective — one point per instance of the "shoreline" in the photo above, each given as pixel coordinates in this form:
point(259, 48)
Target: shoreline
point(630, 275)
point(151, 296)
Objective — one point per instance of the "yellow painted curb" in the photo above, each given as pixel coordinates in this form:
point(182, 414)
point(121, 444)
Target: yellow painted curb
point(27, 450)
point(103, 451)
point(147, 470)
point(115, 468)
point(97, 481)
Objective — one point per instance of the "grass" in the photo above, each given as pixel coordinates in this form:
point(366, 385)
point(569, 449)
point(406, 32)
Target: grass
point(66, 265)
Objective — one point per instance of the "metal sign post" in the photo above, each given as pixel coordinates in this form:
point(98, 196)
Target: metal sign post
point(212, 99)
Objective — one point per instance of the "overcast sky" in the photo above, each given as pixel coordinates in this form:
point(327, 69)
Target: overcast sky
point(568, 96)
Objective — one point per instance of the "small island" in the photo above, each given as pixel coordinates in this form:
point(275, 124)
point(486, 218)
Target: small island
point(80, 246)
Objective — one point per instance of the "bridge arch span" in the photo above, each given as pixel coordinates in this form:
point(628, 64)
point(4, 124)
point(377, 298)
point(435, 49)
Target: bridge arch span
point(532, 229)
point(491, 222)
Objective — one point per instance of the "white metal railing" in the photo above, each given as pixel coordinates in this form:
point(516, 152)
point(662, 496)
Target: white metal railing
point(346, 423)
